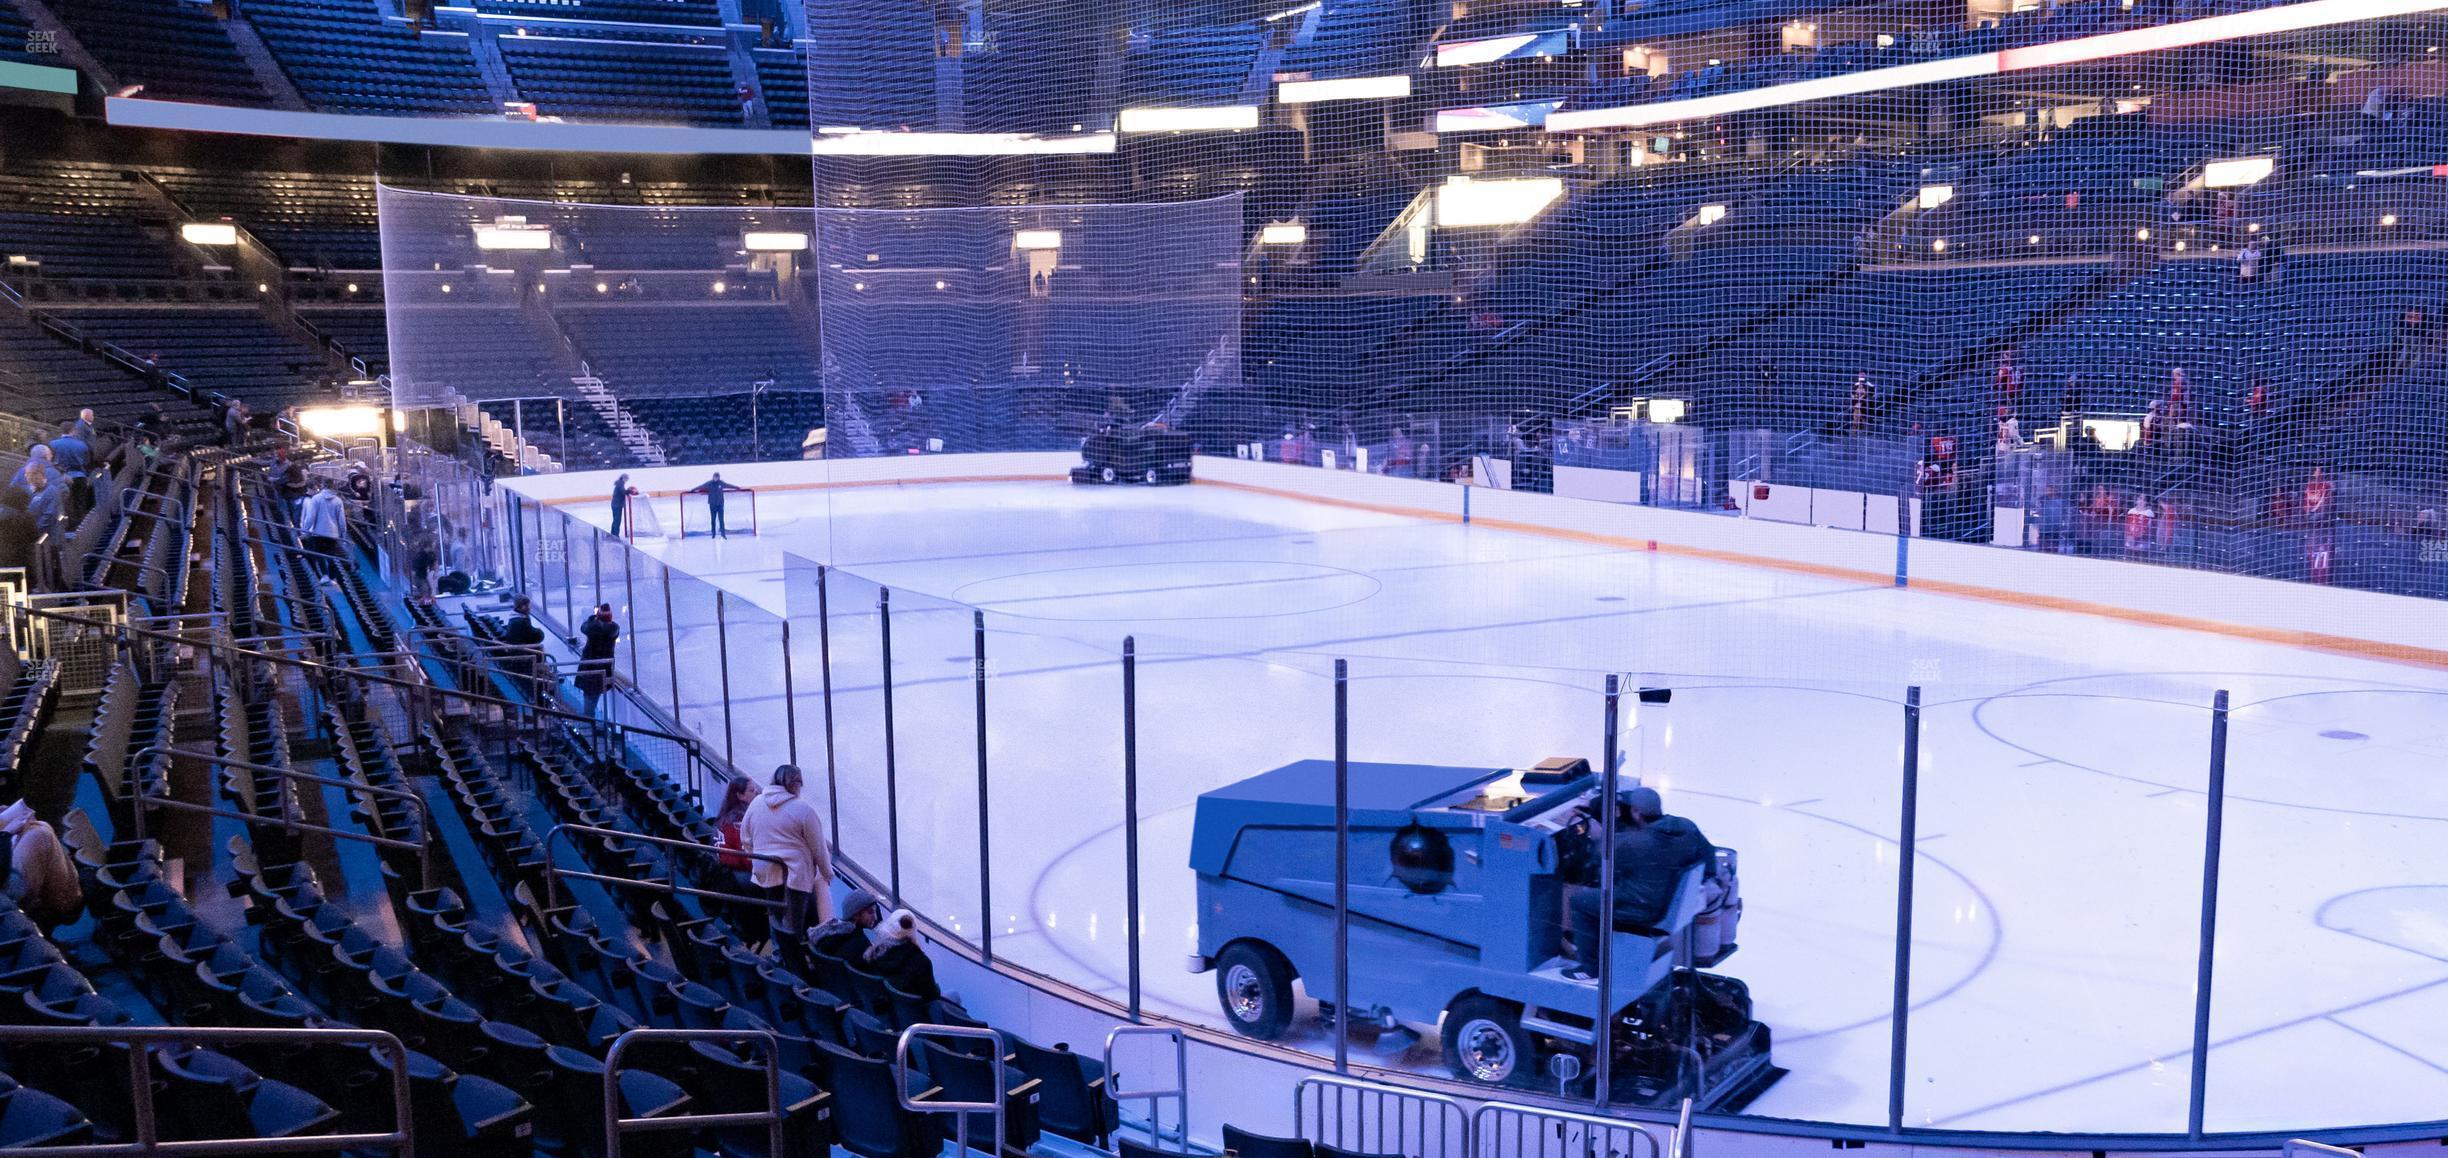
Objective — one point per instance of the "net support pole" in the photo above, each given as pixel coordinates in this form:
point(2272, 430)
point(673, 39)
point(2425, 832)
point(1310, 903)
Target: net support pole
point(2212, 836)
point(1907, 836)
point(977, 646)
point(824, 669)
point(1342, 882)
point(892, 771)
point(1602, 1071)
point(722, 658)
point(1130, 811)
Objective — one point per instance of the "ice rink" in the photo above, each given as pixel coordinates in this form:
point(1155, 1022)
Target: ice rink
point(2064, 759)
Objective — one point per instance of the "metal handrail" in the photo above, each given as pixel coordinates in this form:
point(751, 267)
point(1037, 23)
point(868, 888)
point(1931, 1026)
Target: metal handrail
point(553, 873)
point(1180, 1091)
point(402, 1138)
point(1454, 1139)
point(424, 849)
point(1595, 1134)
point(959, 1110)
point(2299, 1148)
point(1683, 1131)
point(615, 1125)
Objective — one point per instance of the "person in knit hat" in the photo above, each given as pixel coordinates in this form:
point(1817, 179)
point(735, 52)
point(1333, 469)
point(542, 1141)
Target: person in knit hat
point(899, 957)
point(845, 936)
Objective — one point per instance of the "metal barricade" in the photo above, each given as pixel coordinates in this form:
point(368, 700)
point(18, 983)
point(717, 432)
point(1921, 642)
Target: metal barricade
point(1156, 1096)
point(144, 1114)
point(2306, 1148)
point(553, 872)
point(960, 1111)
point(1375, 1119)
point(1508, 1130)
point(771, 1118)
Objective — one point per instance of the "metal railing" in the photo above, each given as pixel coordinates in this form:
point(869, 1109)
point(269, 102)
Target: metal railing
point(1508, 1130)
point(288, 822)
point(144, 1113)
point(960, 1111)
point(615, 1125)
point(553, 873)
point(1156, 1096)
point(1378, 1119)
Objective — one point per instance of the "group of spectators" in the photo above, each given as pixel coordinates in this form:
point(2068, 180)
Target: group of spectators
point(61, 481)
point(774, 840)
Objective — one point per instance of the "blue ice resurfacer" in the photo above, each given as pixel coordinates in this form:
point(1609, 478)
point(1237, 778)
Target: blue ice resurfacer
point(1458, 880)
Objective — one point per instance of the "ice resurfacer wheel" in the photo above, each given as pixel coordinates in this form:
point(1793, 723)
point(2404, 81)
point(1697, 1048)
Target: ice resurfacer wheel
point(1254, 984)
point(1484, 1042)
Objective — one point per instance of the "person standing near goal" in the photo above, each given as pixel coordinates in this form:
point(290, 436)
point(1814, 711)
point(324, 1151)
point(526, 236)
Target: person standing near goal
point(621, 490)
point(713, 489)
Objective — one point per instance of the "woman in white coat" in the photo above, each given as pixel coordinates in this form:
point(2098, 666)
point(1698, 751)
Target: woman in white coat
point(781, 825)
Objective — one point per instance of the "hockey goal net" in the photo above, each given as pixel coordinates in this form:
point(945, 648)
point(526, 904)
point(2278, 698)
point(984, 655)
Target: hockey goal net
point(687, 514)
point(739, 512)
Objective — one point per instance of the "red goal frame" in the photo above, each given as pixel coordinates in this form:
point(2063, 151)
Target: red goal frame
point(695, 521)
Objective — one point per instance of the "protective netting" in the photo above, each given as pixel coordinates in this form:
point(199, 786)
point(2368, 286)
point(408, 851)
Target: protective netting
point(2145, 280)
point(1024, 328)
point(606, 335)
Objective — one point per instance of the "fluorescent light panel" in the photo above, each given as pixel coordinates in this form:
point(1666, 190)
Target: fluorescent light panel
point(856, 143)
point(2183, 34)
point(208, 233)
point(1495, 118)
point(513, 233)
point(1463, 52)
point(1171, 120)
point(1304, 92)
point(2235, 172)
point(1037, 239)
point(773, 241)
point(1289, 233)
point(1465, 203)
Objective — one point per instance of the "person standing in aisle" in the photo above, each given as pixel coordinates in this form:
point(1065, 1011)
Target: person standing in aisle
point(620, 503)
point(321, 521)
point(713, 489)
point(599, 637)
point(782, 825)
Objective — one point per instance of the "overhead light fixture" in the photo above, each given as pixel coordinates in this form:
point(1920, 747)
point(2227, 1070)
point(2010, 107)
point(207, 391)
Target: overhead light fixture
point(1458, 53)
point(603, 287)
point(2142, 235)
point(720, 287)
point(1289, 233)
point(208, 233)
point(773, 241)
point(1357, 88)
point(1172, 120)
point(1938, 245)
point(1933, 196)
point(1037, 239)
point(1667, 410)
point(1710, 214)
point(2387, 219)
point(2034, 239)
point(1462, 202)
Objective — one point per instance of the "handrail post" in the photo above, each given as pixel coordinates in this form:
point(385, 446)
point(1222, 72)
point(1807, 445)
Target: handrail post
point(2213, 835)
point(1179, 1093)
point(772, 1118)
point(960, 1111)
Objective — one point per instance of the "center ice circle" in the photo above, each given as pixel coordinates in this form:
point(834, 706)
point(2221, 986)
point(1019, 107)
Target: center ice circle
point(1185, 589)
